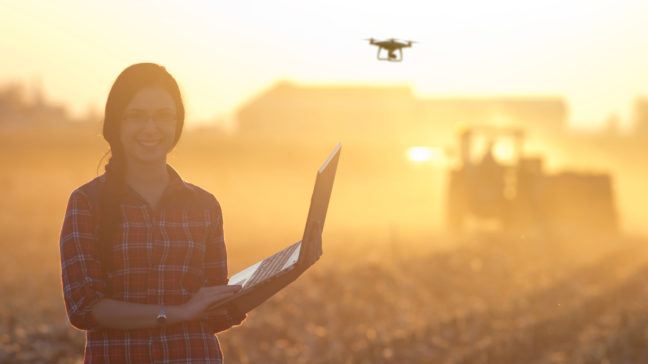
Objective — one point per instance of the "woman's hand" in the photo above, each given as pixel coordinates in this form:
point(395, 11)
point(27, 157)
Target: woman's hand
point(223, 318)
point(231, 312)
point(200, 302)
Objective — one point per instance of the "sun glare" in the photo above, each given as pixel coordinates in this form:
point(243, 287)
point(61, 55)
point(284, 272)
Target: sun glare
point(504, 151)
point(419, 154)
point(425, 154)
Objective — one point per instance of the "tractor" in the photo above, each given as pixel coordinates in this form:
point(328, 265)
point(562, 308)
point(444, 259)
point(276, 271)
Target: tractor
point(505, 190)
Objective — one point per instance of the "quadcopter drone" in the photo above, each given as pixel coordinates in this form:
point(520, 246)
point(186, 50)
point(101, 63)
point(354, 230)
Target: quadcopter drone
point(391, 46)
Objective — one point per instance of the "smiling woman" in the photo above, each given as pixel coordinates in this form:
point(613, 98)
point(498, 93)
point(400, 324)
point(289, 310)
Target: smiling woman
point(149, 127)
point(142, 251)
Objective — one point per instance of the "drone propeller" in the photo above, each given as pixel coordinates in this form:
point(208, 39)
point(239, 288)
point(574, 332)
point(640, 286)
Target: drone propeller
point(410, 42)
point(406, 41)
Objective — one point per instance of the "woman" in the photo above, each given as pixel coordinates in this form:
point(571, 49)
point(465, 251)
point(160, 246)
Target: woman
point(142, 252)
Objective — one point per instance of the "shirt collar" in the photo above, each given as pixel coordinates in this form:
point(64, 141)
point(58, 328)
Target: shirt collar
point(176, 185)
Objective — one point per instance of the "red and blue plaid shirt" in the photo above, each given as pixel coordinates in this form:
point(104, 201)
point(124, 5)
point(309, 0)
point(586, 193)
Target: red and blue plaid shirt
point(158, 257)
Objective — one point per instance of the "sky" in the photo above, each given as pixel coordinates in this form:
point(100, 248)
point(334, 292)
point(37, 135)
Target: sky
point(593, 53)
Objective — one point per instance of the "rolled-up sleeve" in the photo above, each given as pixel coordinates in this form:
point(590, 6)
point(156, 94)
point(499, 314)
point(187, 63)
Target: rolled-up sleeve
point(82, 276)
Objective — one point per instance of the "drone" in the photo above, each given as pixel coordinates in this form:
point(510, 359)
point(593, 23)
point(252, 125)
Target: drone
point(391, 46)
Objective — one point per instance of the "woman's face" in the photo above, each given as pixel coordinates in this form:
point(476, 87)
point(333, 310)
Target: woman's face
point(148, 126)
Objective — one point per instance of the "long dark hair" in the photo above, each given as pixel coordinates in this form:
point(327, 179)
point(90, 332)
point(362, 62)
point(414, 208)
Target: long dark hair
point(128, 83)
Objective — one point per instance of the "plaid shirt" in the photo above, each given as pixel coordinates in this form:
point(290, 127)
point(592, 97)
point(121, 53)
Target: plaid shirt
point(158, 257)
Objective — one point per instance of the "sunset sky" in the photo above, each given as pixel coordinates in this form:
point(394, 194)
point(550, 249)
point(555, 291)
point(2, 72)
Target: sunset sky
point(594, 52)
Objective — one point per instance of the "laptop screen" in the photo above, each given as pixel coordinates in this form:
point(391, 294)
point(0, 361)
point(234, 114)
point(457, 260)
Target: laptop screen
point(311, 248)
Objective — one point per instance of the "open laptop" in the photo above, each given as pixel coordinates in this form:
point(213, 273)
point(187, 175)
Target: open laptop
point(298, 256)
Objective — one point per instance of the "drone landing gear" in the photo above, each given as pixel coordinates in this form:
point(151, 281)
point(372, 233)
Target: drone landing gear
point(391, 56)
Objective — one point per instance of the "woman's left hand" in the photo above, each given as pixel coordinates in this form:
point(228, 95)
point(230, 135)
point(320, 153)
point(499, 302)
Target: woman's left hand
point(220, 313)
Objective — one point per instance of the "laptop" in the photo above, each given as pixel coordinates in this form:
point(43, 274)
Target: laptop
point(286, 265)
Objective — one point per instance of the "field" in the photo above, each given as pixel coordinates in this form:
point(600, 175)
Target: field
point(390, 287)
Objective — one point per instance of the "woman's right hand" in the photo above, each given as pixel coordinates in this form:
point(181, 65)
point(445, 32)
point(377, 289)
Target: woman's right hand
point(200, 302)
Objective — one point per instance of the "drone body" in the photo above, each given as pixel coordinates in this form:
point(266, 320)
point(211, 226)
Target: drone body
point(391, 46)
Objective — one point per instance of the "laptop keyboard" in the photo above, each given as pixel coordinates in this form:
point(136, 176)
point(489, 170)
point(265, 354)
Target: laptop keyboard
point(271, 265)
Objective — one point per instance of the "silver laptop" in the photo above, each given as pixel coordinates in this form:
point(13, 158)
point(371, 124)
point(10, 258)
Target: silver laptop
point(305, 252)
